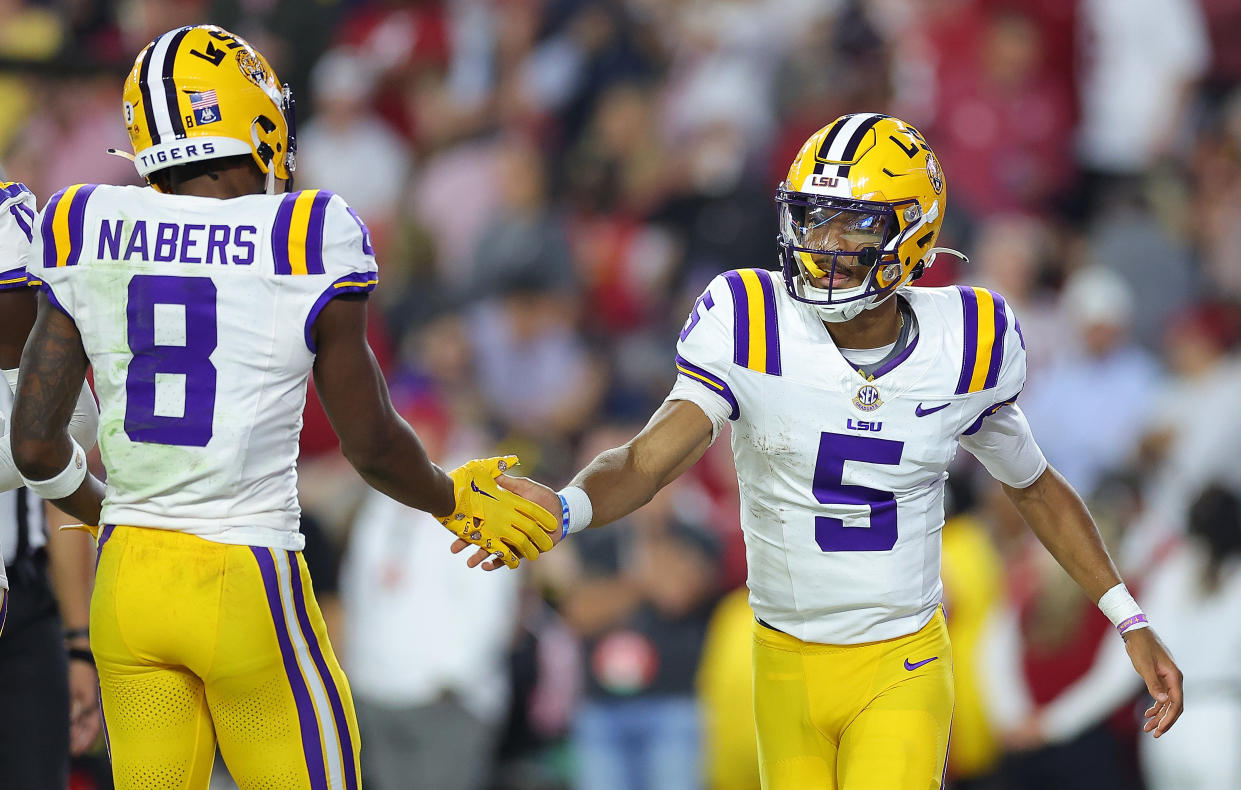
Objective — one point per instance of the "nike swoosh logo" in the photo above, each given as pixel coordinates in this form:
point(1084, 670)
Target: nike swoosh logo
point(474, 487)
point(912, 667)
point(921, 412)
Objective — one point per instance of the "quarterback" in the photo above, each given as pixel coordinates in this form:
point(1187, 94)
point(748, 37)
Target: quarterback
point(849, 393)
point(203, 304)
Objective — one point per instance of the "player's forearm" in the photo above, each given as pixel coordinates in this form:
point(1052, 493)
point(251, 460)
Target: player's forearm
point(623, 479)
point(1062, 523)
point(71, 564)
point(398, 466)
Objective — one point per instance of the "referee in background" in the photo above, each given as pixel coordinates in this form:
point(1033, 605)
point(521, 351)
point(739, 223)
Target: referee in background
point(49, 698)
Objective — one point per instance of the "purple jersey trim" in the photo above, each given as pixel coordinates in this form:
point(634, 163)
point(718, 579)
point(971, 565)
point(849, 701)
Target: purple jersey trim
point(360, 282)
point(976, 425)
point(280, 234)
point(301, 695)
point(741, 319)
point(314, 232)
point(969, 303)
point(367, 249)
point(14, 279)
point(997, 348)
point(770, 319)
point(51, 297)
point(15, 190)
point(22, 221)
point(343, 735)
point(891, 364)
point(77, 216)
point(49, 237)
point(712, 382)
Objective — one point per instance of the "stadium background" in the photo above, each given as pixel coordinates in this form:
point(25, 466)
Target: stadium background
point(550, 183)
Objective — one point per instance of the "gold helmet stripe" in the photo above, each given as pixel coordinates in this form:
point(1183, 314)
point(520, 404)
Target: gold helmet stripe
point(159, 90)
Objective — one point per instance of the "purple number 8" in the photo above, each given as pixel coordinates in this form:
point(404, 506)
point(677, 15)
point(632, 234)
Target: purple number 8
point(192, 360)
point(830, 489)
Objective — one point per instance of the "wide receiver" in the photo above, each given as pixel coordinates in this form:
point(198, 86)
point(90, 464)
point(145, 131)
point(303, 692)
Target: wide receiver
point(203, 305)
point(849, 394)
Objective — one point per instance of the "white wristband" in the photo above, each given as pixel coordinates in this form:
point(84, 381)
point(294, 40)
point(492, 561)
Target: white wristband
point(64, 483)
point(576, 509)
point(1119, 607)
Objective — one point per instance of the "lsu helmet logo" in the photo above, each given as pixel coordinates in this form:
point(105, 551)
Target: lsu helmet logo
point(252, 67)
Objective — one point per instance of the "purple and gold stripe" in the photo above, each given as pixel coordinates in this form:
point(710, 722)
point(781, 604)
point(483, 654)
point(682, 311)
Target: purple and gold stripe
point(986, 321)
point(13, 278)
point(62, 225)
point(297, 238)
point(359, 282)
point(327, 739)
point(756, 333)
point(711, 381)
point(345, 740)
point(4, 608)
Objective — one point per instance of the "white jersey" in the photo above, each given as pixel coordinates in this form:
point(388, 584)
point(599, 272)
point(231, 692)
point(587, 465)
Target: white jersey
point(196, 314)
point(842, 475)
point(17, 221)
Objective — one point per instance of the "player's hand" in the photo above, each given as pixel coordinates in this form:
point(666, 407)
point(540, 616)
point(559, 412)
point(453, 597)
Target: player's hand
point(539, 496)
point(84, 717)
point(1163, 679)
point(499, 522)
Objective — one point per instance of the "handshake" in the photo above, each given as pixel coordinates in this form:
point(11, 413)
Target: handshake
point(508, 523)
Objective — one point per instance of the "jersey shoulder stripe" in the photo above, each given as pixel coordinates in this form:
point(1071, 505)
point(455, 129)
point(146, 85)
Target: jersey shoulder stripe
point(986, 323)
point(63, 219)
point(297, 236)
point(711, 381)
point(355, 282)
point(756, 331)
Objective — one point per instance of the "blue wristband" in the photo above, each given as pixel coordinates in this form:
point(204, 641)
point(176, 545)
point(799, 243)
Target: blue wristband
point(564, 516)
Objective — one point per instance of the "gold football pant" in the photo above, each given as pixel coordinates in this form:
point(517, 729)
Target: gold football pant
point(198, 642)
point(873, 716)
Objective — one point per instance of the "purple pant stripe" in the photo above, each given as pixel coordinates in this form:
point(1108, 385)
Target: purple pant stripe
point(741, 319)
point(772, 326)
point(316, 654)
point(49, 236)
point(104, 535)
point(301, 695)
point(969, 302)
point(280, 235)
point(314, 233)
point(77, 216)
point(997, 348)
point(4, 608)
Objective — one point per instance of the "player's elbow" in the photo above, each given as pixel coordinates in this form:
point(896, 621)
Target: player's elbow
point(35, 458)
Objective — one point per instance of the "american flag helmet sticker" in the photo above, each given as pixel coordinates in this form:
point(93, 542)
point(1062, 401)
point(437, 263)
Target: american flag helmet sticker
point(205, 106)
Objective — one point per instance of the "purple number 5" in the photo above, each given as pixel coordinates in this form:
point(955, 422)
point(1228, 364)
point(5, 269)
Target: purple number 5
point(192, 428)
point(830, 489)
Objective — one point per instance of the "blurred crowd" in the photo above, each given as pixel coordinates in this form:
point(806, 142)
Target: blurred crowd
point(551, 183)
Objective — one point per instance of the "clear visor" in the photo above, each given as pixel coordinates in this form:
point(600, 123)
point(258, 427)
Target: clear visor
point(833, 228)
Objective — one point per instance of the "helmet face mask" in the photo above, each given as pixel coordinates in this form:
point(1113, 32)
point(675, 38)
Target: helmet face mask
point(859, 213)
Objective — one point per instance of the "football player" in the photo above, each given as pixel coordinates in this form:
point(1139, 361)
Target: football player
point(849, 393)
point(203, 305)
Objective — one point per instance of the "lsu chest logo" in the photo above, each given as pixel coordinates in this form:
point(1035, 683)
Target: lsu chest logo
point(867, 398)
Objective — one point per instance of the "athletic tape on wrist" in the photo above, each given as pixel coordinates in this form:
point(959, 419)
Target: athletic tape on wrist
point(1120, 607)
point(576, 510)
point(64, 483)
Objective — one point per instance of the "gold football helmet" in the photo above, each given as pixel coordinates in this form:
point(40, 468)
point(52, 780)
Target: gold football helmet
point(199, 93)
point(870, 178)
